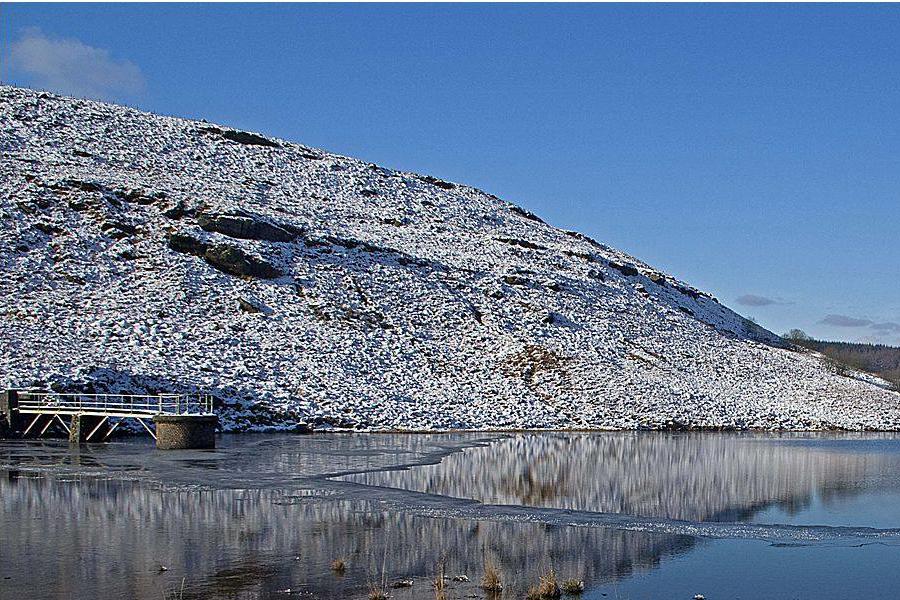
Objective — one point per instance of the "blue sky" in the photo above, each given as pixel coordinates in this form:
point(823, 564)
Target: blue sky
point(751, 150)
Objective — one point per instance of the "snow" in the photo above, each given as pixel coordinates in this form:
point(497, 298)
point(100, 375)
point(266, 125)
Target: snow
point(403, 302)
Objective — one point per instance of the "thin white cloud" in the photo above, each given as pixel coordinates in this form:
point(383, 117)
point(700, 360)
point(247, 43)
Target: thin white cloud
point(69, 66)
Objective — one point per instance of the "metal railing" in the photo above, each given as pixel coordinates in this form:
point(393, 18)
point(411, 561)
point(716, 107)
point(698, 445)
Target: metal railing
point(115, 404)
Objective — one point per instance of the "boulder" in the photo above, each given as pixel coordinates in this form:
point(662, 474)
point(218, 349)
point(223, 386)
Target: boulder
point(234, 261)
point(187, 244)
point(245, 227)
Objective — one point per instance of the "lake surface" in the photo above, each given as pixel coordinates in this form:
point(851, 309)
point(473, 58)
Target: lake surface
point(635, 515)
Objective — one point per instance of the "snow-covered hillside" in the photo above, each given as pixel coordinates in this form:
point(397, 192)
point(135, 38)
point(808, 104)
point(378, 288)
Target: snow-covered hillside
point(140, 252)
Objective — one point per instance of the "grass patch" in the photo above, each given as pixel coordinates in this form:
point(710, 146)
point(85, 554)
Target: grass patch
point(572, 587)
point(491, 581)
point(546, 589)
point(339, 566)
point(440, 582)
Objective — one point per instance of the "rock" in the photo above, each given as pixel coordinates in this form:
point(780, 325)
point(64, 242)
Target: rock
point(461, 578)
point(626, 270)
point(403, 583)
point(245, 227)
point(176, 211)
point(187, 244)
point(250, 306)
point(243, 137)
point(118, 229)
point(234, 261)
point(515, 280)
point(140, 197)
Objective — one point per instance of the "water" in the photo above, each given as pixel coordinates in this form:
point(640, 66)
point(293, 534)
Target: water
point(636, 515)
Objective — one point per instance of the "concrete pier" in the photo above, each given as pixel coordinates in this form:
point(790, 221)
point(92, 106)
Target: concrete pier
point(10, 420)
point(184, 432)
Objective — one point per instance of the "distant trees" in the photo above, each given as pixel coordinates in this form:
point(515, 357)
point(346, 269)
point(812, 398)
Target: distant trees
point(797, 336)
point(878, 359)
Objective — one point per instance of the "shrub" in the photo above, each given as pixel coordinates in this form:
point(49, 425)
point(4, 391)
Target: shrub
point(491, 581)
point(547, 589)
point(339, 566)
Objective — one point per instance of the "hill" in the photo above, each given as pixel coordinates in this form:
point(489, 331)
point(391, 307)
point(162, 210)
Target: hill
point(148, 253)
point(878, 359)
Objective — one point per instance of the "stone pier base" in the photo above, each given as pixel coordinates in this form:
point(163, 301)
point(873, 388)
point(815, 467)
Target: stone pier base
point(183, 432)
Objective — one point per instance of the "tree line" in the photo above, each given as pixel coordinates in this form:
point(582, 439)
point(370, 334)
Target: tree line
point(879, 359)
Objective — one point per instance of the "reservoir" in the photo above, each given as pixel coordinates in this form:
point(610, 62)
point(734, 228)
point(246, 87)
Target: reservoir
point(635, 515)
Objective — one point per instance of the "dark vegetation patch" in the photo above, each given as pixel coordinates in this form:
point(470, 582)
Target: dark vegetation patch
point(48, 228)
point(532, 360)
point(516, 280)
point(582, 255)
point(524, 213)
point(688, 291)
point(584, 238)
point(626, 270)
point(330, 242)
point(444, 185)
point(241, 137)
point(521, 243)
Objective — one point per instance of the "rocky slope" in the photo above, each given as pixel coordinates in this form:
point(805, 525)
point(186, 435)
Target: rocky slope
point(145, 253)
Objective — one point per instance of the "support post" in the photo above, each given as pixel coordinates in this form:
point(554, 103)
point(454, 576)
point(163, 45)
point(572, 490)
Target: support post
point(10, 419)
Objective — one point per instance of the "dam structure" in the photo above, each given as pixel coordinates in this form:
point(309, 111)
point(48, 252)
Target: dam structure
point(174, 421)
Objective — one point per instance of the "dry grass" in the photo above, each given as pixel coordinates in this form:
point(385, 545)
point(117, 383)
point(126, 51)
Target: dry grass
point(378, 587)
point(440, 582)
point(377, 592)
point(547, 589)
point(339, 566)
point(573, 586)
point(175, 594)
point(490, 581)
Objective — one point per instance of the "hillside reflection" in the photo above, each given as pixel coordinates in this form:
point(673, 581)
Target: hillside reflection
point(92, 535)
point(259, 517)
point(696, 477)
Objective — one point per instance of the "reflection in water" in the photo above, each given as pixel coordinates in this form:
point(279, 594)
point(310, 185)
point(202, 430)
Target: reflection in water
point(260, 515)
point(698, 477)
point(91, 535)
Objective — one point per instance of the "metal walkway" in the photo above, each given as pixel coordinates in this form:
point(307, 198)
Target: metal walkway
point(102, 409)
